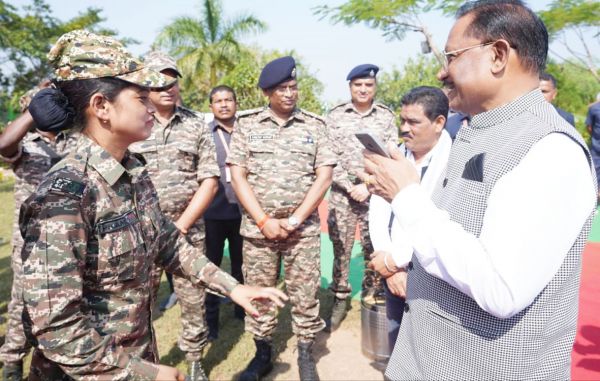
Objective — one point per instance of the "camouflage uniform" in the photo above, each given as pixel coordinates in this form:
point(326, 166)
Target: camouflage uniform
point(36, 155)
point(93, 230)
point(344, 213)
point(179, 156)
point(281, 164)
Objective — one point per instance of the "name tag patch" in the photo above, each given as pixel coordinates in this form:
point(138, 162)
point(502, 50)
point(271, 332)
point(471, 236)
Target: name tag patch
point(117, 223)
point(261, 137)
point(67, 186)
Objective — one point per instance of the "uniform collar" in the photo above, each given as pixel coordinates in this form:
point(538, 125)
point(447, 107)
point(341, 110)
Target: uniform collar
point(508, 111)
point(176, 117)
point(106, 165)
point(349, 107)
point(267, 114)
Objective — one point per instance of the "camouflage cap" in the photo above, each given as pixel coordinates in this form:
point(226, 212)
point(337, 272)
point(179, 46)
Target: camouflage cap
point(80, 54)
point(160, 61)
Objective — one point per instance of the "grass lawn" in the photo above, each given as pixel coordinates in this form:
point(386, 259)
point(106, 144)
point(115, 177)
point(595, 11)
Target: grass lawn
point(223, 359)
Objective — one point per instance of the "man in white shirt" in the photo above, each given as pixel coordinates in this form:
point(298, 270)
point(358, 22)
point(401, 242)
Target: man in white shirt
point(426, 145)
point(493, 285)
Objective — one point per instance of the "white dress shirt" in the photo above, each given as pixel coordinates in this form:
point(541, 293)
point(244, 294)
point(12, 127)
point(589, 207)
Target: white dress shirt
point(534, 215)
point(398, 243)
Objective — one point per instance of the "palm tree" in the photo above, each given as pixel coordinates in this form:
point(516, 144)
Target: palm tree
point(206, 47)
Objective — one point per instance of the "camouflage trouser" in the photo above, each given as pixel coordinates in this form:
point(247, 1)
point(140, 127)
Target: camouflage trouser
point(301, 258)
point(344, 214)
point(191, 300)
point(15, 346)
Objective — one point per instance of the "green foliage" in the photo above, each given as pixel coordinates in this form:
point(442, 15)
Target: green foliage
point(206, 47)
point(393, 17)
point(420, 71)
point(577, 88)
point(25, 38)
point(564, 14)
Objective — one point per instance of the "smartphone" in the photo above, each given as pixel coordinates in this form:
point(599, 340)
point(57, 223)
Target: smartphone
point(372, 143)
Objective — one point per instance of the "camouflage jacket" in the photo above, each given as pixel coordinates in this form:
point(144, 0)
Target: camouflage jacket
point(35, 157)
point(281, 163)
point(178, 157)
point(92, 231)
point(343, 122)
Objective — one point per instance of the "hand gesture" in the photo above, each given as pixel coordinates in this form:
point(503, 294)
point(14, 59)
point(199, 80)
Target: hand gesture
point(243, 295)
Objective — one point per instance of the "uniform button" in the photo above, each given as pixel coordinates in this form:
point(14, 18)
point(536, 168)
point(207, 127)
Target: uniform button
point(444, 183)
point(406, 307)
point(410, 266)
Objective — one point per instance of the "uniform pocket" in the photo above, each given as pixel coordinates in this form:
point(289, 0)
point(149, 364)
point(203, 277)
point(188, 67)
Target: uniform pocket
point(303, 158)
point(260, 157)
point(187, 158)
point(120, 242)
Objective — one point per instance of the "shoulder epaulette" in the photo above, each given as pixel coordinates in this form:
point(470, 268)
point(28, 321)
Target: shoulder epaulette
point(75, 160)
point(338, 106)
point(313, 115)
point(382, 106)
point(191, 113)
point(245, 113)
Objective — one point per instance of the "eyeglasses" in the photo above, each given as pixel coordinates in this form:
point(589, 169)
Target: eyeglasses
point(453, 54)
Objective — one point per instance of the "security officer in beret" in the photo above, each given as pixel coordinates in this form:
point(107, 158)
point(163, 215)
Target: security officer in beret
point(281, 166)
point(349, 197)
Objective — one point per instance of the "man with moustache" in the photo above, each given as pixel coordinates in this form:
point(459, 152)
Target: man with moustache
point(281, 167)
point(349, 198)
point(426, 144)
point(493, 283)
point(222, 219)
point(181, 161)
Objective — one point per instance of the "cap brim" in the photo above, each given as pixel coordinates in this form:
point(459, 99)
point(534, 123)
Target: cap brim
point(148, 78)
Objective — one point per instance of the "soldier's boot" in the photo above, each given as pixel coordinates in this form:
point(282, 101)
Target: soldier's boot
point(338, 314)
point(196, 372)
point(12, 371)
point(261, 364)
point(306, 363)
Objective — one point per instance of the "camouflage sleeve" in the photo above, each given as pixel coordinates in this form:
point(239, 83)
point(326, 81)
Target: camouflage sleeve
point(391, 132)
point(56, 232)
point(179, 257)
point(238, 148)
point(341, 177)
point(325, 155)
point(207, 155)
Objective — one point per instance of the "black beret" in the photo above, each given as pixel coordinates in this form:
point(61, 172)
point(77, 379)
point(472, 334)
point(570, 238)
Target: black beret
point(277, 71)
point(363, 71)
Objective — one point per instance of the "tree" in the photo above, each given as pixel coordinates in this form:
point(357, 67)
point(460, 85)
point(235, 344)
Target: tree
point(26, 38)
point(208, 46)
point(394, 17)
point(577, 88)
point(580, 18)
point(420, 71)
point(243, 78)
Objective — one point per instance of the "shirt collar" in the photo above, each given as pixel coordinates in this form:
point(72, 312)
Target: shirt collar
point(106, 165)
point(351, 108)
point(176, 117)
point(508, 111)
point(267, 114)
point(214, 125)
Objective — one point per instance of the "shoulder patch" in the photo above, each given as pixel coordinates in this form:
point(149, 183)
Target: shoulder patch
point(117, 223)
point(63, 185)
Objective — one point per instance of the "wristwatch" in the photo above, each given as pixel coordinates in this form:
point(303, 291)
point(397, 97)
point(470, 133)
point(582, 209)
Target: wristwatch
point(293, 222)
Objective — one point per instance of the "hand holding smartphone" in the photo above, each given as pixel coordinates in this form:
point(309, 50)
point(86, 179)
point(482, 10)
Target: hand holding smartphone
point(371, 142)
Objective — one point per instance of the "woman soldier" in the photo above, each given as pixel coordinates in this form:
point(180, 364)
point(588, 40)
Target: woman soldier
point(93, 228)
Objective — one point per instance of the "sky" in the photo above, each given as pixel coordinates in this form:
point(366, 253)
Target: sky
point(329, 50)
